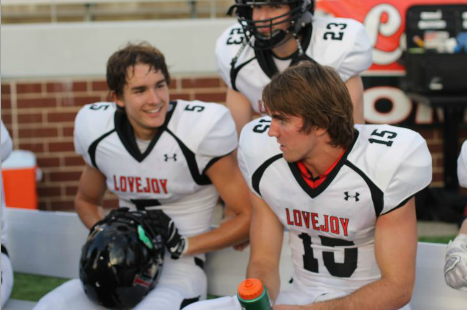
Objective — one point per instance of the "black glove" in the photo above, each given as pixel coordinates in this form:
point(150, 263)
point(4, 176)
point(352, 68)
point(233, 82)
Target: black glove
point(165, 226)
point(113, 213)
point(118, 211)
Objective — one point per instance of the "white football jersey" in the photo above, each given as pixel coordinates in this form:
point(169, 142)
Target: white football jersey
point(336, 42)
point(331, 227)
point(462, 165)
point(171, 173)
point(6, 148)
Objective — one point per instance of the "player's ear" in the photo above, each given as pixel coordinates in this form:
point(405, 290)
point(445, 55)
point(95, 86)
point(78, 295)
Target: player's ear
point(319, 131)
point(117, 99)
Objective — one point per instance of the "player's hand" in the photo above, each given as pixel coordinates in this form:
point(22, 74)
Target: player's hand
point(113, 213)
point(455, 268)
point(241, 246)
point(117, 211)
point(165, 226)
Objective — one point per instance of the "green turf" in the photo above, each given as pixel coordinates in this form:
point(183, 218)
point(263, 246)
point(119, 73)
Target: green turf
point(441, 239)
point(32, 287)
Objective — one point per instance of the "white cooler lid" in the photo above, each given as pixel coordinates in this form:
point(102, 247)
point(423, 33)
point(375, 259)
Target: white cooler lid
point(20, 159)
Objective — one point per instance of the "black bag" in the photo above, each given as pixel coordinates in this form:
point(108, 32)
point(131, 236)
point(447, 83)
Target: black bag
point(430, 70)
point(438, 204)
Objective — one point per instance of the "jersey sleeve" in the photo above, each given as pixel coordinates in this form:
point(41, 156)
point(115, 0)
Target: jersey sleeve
point(255, 149)
point(90, 122)
point(226, 52)
point(359, 54)
point(221, 134)
point(413, 173)
point(79, 134)
point(462, 165)
point(244, 156)
point(7, 144)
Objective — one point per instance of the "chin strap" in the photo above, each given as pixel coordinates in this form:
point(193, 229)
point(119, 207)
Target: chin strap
point(234, 71)
point(240, 50)
point(299, 44)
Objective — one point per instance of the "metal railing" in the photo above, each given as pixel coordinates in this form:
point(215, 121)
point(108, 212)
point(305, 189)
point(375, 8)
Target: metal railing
point(27, 11)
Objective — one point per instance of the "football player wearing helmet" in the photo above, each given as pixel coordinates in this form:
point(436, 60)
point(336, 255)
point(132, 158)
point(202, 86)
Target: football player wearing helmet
point(353, 206)
point(455, 268)
point(170, 158)
point(272, 35)
point(7, 270)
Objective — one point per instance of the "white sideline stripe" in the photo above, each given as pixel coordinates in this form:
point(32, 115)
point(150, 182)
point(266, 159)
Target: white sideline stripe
point(49, 243)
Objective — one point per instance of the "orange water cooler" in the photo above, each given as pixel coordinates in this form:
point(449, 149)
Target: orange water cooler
point(20, 172)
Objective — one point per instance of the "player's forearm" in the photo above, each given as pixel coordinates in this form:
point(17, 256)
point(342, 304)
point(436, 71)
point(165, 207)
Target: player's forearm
point(229, 182)
point(230, 232)
point(241, 118)
point(358, 114)
point(240, 108)
point(87, 212)
point(268, 275)
point(355, 87)
point(382, 294)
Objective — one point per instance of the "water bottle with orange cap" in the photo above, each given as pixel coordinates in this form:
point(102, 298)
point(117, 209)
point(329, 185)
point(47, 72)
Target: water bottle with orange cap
point(252, 295)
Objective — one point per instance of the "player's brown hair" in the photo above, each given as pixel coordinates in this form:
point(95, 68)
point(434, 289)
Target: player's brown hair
point(317, 95)
point(129, 56)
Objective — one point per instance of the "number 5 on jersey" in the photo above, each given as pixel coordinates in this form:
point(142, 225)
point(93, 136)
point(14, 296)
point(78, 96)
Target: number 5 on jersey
point(263, 126)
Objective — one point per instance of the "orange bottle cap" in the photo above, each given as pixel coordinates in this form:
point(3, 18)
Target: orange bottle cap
point(250, 289)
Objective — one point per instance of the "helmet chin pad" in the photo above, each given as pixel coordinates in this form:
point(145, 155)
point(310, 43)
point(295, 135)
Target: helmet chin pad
point(298, 16)
point(275, 33)
point(267, 42)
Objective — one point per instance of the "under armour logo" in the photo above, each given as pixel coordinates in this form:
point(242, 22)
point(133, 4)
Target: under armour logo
point(347, 196)
point(166, 157)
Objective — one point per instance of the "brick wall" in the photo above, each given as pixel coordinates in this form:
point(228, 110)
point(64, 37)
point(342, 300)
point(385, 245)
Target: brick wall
point(40, 116)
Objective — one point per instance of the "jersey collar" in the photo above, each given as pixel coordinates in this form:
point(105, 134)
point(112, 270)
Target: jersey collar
point(330, 174)
point(127, 137)
point(314, 182)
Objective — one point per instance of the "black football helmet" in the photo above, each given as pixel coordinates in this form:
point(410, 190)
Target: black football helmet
point(300, 14)
point(121, 260)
